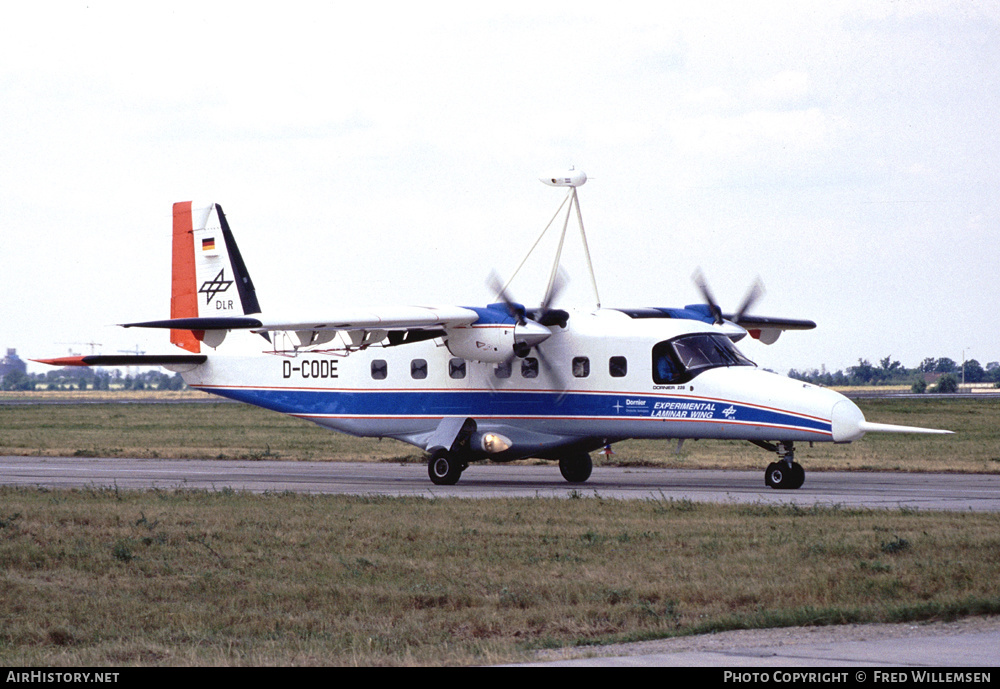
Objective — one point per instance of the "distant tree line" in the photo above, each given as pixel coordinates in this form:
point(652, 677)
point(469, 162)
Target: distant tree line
point(937, 375)
point(91, 379)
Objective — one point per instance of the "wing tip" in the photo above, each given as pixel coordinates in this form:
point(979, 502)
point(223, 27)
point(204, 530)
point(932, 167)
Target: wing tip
point(63, 361)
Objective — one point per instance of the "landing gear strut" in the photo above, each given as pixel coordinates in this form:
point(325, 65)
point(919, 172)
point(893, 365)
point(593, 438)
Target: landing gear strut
point(786, 473)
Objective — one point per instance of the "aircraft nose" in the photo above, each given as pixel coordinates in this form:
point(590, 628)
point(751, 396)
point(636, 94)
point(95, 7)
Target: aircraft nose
point(846, 421)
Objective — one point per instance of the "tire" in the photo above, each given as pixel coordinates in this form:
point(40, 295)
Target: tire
point(767, 475)
point(782, 477)
point(443, 469)
point(576, 468)
point(776, 474)
point(798, 476)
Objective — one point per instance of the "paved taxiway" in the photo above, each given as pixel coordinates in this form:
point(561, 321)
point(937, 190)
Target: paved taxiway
point(967, 643)
point(976, 492)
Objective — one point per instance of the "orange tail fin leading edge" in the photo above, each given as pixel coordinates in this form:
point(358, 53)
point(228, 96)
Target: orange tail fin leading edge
point(184, 285)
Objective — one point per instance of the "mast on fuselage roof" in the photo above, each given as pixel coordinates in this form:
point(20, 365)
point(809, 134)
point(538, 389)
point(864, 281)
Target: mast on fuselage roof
point(572, 178)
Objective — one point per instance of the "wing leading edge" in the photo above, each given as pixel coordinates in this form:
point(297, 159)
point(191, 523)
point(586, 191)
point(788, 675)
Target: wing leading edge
point(395, 319)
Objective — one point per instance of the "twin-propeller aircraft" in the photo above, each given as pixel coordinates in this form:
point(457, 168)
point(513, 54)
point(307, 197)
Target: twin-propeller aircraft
point(499, 382)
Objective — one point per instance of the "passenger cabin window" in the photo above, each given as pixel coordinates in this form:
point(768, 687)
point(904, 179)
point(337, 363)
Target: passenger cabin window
point(380, 369)
point(456, 368)
point(618, 366)
point(502, 370)
point(682, 358)
point(581, 367)
point(418, 369)
point(529, 367)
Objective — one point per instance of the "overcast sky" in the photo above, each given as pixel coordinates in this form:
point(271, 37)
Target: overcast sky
point(844, 152)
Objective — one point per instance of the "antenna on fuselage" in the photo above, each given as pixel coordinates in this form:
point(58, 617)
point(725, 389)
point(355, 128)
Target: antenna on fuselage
point(572, 178)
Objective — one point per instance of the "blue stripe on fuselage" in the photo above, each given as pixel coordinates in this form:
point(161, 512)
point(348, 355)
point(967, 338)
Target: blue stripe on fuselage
point(512, 403)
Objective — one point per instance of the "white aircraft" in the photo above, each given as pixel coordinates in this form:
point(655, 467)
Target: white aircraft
point(498, 382)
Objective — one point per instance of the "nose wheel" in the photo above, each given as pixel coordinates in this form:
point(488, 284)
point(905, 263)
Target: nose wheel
point(786, 473)
point(784, 477)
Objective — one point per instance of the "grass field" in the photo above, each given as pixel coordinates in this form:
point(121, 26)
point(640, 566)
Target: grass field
point(101, 578)
point(226, 430)
point(113, 578)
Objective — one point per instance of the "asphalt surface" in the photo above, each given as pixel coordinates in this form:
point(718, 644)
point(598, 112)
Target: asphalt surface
point(967, 643)
point(976, 492)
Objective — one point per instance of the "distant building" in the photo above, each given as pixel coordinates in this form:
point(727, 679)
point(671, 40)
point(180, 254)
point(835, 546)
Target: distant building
point(12, 363)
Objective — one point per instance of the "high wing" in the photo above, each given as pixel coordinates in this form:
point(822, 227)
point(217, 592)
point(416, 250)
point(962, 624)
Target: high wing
point(401, 324)
point(395, 318)
point(768, 329)
point(211, 287)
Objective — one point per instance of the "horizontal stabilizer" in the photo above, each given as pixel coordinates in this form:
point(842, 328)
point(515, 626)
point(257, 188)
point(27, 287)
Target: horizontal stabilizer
point(126, 360)
point(869, 427)
point(207, 323)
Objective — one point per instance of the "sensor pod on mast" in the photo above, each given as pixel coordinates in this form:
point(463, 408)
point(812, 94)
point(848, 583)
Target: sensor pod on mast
point(567, 178)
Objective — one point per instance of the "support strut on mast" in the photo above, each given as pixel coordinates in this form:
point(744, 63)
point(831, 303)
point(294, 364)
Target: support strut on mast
point(572, 178)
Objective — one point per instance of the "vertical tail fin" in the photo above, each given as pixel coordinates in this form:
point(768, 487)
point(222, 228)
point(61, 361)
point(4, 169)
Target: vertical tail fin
point(184, 286)
point(206, 261)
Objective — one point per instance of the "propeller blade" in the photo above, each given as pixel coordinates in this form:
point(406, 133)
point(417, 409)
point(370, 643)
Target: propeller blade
point(554, 290)
point(706, 293)
point(545, 314)
point(554, 373)
point(755, 292)
point(496, 284)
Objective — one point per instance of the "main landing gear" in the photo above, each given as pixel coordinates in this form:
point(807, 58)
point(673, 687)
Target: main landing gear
point(576, 468)
point(786, 473)
point(445, 469)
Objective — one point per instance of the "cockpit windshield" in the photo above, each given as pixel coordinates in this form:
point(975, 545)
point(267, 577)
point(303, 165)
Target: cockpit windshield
point(680, 359)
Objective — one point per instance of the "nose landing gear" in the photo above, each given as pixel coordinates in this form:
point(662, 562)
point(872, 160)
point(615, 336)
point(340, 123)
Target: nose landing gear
point(786, 473)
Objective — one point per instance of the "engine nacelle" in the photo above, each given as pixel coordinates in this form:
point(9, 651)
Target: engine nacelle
point(487, 343)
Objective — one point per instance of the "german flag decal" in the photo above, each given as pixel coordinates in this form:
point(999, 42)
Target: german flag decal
point(208, 244)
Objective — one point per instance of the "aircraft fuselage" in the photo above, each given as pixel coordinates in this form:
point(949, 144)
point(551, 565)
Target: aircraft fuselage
point(588, 390)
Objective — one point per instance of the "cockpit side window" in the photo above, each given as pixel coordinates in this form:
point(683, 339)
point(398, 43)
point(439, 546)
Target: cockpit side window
point(665, 367)
point(682, 358)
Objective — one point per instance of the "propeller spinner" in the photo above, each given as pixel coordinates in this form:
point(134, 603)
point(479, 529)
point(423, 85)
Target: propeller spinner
point(534, 326)
point(755, 292)
point(531, 331)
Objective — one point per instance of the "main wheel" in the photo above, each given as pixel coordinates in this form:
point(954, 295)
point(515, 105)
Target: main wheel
point(444, 469)
point(576, 468)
